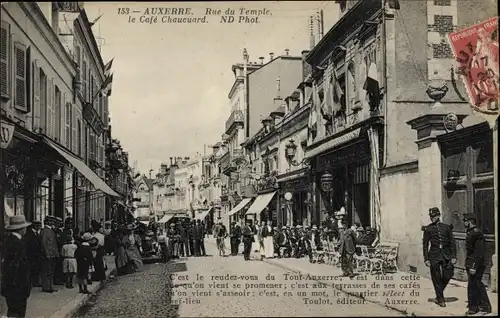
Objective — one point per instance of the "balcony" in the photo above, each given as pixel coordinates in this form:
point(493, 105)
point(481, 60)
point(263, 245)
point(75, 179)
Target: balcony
point(236, 118)
point(230, 161)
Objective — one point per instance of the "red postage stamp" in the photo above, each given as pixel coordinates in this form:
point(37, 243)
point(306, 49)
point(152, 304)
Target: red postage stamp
point(476, 53)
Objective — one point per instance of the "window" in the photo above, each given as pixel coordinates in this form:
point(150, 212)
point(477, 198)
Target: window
point(84, 82)
point(442, 3)
point(21, 87)
point(67, 128)
point(57, 111)
point(351, 82)
point(4, 59)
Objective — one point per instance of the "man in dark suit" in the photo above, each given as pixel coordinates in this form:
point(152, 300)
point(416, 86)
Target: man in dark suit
point(440, 256)
point(16, 284)
point(34, 251)
point(199, 235)
point(478, 300)
point(235, 238)
point(191, 237)
point(247, 234)
point(184, 243)
point(347, 248)
point(50, 255)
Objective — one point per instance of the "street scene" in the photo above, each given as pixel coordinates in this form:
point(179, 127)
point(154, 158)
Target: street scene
point(249, 159)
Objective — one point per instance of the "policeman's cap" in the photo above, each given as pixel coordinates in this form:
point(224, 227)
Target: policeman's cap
point(470, 217)
point(434, 212)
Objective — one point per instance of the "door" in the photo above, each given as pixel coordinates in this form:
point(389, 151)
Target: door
point(468, 188)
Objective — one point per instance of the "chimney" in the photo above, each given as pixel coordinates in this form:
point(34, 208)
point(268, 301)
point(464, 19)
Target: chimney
point(278, 100)
point(306, 68)
point(171, 161)
point(271, 56)
point(261, 60)
point(287, 52)
point(311, 29)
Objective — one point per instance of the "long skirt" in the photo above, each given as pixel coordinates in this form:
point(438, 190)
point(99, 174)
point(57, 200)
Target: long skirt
point(99, 266)
point(134, 257)
point(268, 247)
point(262, 248)
point(121, 260)
point(255, 244)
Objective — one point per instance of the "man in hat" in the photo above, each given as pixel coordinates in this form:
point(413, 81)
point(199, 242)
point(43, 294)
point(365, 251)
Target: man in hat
point(247, 234)
point(235, 235)
point(439, 253)
point(475, 264)
point(50, 255)
point(16, 284)
point(34, 251)
point(199, 245)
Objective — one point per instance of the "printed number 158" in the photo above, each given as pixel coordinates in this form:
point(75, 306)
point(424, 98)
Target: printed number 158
point(123, 10)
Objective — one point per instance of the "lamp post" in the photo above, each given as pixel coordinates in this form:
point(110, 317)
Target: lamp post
point(288, 197)
point(290, 152)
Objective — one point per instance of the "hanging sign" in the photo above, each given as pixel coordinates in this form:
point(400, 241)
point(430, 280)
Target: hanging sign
point(6, 134)
point(476, 52)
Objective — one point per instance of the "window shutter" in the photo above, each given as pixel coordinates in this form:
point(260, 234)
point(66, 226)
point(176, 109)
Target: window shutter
point(84, 72)
point(56, 104)
point(36, 97)
point(106, 112)
point(50, 109)
point(4, 58)
point(79, 134)
point(68, 123)
point(20, 100)
point(74, 128)
point(29, 81)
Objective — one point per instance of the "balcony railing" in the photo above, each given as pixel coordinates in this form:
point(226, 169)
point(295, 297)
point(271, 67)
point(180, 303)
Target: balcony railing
point(234, 119)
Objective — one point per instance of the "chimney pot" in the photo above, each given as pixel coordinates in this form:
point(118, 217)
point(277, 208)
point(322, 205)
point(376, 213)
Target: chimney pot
point(271, 56)
point(287, 52)
point(261, 59)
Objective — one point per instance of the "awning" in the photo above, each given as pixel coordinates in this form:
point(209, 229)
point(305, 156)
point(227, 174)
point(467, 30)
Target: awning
point(260, 203)
point(202, 215)
point(166, 218)
point(240, 206)
point(145, 222)
point(333, 143)
point(83, 169)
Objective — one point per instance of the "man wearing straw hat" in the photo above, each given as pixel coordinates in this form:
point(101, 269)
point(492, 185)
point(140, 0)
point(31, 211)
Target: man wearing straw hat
point(16, 284)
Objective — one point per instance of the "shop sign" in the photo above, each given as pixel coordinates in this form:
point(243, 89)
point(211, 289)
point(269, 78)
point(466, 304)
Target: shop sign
point(6, 134)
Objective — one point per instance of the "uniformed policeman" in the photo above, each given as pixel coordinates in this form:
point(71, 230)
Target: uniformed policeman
point(478, 300)
point(440, 256)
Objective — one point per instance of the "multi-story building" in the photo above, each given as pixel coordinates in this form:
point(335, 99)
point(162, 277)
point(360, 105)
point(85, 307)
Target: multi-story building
point(143, 198)
point(54, 155)
point(369, 80)
point(181, 179)
point(251, 98)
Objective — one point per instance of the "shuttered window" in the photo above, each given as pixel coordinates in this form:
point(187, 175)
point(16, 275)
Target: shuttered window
point(69, 120)
point(79, 137)
point(106, 112)
point(57, 113)
point(84, 86)
point(4, 59)
point(21, 89)
point(43, 101)
point(51, 125)
point(36, 97)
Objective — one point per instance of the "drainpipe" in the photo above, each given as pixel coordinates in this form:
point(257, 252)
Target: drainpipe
point(383, 48)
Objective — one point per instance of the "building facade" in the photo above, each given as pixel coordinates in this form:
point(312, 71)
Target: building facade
point(371, 90)
point(51, 167)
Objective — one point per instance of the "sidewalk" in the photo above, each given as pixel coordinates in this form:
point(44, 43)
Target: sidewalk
point(456, 292)
point(64, 303)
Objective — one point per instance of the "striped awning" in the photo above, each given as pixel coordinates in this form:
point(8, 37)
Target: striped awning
point(239, 207)
point(202, 215)
point(260, 203)
point(297, 175)
point(333, 143)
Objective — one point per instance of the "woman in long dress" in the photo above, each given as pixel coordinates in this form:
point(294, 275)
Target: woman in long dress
point(268, 233)
point(256, 244)
point(121, 259)
point(131, 242)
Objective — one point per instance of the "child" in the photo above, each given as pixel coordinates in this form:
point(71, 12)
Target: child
point(69, 261)
point(83, 256)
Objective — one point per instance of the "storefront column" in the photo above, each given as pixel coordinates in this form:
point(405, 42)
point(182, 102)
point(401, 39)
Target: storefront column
point(428, 127)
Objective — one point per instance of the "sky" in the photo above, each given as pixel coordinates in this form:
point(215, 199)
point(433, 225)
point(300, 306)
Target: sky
point(171, 81)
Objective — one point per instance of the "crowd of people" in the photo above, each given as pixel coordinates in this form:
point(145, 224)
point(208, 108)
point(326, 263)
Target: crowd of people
point(186, 238)
point(36, 256)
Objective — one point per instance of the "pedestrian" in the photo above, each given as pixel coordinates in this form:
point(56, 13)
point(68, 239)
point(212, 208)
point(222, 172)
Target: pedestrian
point(477, 297)
point(99, 262)
point(173, 241)
point(199, 236)
point(256, 231)
point(440, 252)
point(34, 251)
point(132, 249)
point(191, 237)
point(347, 249)
point(267, 235)
point(83, 255)
point(247, 233)
point(69, 261)
point(121, 259)
point(184, 242)
point(50, 255)
point(16, 284)
point(235, 238)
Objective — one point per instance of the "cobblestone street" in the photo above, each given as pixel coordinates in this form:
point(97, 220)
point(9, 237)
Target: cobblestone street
point(147, 294)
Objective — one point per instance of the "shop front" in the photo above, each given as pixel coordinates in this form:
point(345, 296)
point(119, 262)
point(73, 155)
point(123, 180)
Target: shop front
point(341, 170)
point(295, 203)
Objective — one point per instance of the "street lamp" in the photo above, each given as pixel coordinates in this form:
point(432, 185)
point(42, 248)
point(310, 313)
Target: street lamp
point(290, 152)
point(288, 198)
